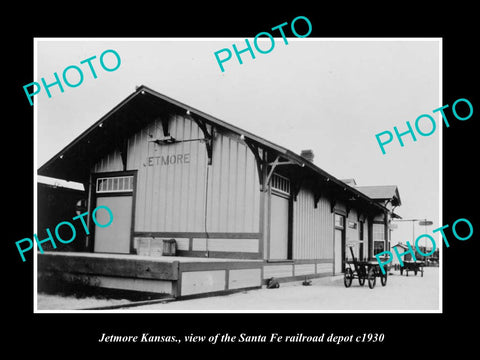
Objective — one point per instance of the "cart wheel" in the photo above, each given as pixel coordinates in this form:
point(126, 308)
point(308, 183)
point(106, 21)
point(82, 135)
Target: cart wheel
point(383, 279)
point(348, 277)
point(371, 278)
point(361, 281)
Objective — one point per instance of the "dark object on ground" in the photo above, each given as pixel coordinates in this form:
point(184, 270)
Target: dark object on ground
point(273, 283)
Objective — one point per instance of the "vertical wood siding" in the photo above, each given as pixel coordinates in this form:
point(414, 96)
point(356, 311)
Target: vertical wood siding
point(312, 228)
point(111, 162)
point(233, 191)
point(171, 198)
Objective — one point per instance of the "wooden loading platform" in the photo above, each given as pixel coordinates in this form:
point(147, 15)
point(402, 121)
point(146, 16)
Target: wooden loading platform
point(173, 276)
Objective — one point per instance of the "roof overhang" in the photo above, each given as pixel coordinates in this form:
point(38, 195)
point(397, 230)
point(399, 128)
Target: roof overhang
point(74, 162)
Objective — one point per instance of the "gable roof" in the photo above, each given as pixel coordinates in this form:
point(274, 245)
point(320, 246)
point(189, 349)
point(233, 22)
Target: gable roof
point(382, 192)
point(130, 115)
point(350, 182)
point(73, 163)
point(403, 246)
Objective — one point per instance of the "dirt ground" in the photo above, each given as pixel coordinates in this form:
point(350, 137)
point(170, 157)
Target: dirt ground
point(402, 293)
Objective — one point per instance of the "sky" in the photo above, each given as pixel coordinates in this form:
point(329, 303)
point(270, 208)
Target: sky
point(328, 95)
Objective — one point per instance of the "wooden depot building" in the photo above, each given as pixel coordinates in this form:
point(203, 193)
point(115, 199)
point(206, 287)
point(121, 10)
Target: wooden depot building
point(241, 210)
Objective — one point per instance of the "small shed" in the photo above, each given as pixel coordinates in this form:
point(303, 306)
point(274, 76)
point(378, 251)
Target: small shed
point(401, 248)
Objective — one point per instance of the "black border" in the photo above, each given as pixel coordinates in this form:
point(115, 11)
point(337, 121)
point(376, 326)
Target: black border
point(428, 333)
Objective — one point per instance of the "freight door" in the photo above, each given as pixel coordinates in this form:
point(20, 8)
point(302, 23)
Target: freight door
point(114, 238)
point(279, 228)
point(339, 248)
point(338, 251)
point(115, 192)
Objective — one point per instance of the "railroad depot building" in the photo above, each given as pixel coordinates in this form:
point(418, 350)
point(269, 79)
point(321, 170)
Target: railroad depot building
point(240, 209)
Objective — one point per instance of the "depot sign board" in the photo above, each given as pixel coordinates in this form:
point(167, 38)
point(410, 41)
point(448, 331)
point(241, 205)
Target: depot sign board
point(425, 223)
point(165, 160)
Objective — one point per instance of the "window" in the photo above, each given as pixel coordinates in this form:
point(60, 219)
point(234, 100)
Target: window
point(115, 184)
point(378, 247)
point(281, 184)
point(339, 221)
point(378, 238)
point(360, 237)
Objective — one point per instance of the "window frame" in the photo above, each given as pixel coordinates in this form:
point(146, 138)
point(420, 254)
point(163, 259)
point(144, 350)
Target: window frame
point(111, 181)
point(280, 184)
point(376, 239)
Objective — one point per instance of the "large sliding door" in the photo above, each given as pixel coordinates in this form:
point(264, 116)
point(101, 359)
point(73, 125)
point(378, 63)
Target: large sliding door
point(115, 193)
point(339, 244)
point(279, 218)
point(116, 237)
point(279, 228)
